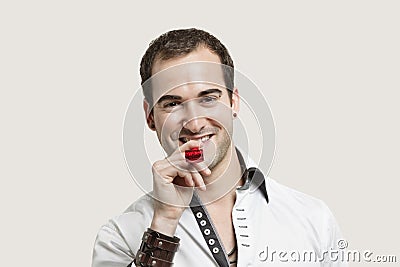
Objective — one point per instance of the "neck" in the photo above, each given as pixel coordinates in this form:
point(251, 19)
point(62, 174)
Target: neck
point(224, 179)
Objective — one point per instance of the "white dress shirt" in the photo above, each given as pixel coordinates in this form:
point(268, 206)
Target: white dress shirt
point(274, 226)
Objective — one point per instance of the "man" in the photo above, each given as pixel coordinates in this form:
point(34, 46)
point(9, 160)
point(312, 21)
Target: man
point(207, 207)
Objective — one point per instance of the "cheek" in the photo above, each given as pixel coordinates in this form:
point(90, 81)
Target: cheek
point(166, 122)
point(167, 126)
point(221, 112)
point(222, 116)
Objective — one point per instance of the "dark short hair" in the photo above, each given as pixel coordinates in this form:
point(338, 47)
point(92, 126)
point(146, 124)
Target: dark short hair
point(177, 43)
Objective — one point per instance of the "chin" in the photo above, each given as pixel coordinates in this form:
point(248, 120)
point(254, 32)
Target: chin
point(220, 155)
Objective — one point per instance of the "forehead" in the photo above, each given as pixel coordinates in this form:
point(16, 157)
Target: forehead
point(195, 71)
point(200, 54)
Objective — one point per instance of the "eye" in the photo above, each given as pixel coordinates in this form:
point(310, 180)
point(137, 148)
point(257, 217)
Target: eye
point(171, 104)
point(209, 99)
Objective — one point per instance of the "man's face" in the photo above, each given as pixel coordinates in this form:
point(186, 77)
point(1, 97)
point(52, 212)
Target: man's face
point(194, 111)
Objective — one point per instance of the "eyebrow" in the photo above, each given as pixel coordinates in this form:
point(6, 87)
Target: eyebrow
point(210, 91)
point(177, 97)
point(169, 97)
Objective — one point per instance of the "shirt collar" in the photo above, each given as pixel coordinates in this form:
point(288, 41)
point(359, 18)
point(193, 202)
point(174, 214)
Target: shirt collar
point(252, 176)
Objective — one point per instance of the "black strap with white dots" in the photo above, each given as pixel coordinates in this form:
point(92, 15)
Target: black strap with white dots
point(208, 232)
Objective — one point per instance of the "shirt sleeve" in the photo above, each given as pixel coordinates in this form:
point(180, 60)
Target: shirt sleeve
point(110, 249)
point(336, 244)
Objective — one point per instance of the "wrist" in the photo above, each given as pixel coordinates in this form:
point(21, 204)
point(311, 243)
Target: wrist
point(164, 225)
point(156, 250)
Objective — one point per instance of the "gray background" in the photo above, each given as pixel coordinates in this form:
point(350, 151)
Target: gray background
point(330, 71)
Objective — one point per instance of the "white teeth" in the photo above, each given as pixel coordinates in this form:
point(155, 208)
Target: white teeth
point(205, 138)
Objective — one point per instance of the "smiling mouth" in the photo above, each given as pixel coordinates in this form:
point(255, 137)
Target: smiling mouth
point(203, 138)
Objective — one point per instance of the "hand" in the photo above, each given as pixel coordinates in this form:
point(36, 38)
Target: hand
point(174, 180)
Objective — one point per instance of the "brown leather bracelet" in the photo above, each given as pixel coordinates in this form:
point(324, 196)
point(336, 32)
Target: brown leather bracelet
point(156, 249)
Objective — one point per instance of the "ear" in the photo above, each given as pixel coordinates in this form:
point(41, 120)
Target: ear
point(149, 115)
point(235, 100)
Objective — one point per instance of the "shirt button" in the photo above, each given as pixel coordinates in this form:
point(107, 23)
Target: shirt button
point(215, 250)
point(211, 242)
point(199, 215)
point(203, 222)
point(207, 231)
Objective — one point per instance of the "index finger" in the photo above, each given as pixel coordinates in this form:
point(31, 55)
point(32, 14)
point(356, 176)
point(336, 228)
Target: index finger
point(179, 153)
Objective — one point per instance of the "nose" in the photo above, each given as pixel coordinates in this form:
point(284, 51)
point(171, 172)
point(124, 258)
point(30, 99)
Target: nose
point(195, 125)
point(193, 121)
